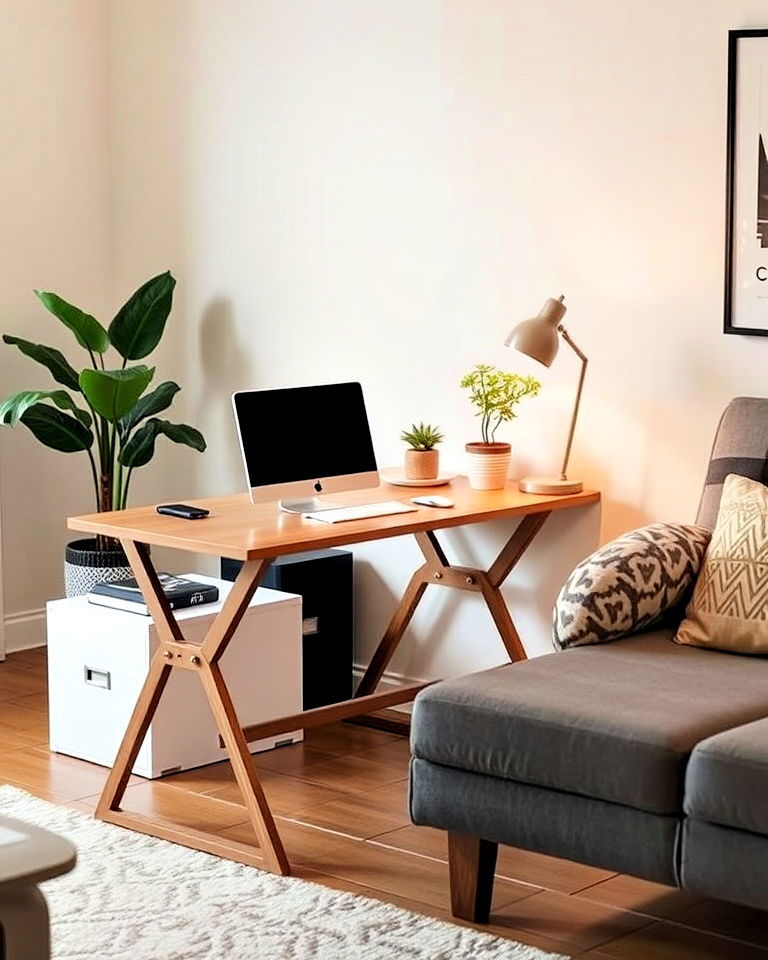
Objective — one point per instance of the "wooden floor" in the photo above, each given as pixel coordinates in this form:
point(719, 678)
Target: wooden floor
point(341, 802)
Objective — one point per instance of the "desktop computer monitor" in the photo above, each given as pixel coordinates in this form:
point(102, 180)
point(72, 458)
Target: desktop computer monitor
point(298, 442)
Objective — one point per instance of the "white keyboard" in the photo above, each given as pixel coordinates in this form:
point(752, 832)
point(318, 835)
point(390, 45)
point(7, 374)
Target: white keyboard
point(361, 512)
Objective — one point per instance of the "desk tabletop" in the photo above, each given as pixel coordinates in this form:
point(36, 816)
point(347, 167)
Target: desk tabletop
point(240, 530)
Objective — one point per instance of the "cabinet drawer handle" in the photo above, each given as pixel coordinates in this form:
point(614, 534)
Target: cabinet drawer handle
point(98, 678)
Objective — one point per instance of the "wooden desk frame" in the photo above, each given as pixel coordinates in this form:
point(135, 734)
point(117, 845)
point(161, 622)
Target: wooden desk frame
point(256, 534)
point(203, 659)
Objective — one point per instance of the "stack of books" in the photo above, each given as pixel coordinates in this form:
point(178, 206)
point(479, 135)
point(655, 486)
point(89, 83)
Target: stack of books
point(179, 591)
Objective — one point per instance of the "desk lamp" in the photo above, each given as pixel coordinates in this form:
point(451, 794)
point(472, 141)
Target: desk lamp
point(538, 338)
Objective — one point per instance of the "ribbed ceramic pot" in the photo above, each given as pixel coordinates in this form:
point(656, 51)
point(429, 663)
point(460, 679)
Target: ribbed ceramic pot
point(422, 464)
point(85, 566)
point(488, 465)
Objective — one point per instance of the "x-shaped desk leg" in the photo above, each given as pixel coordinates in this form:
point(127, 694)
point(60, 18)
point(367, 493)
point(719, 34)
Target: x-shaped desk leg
point(437, 570)
point(175, 653)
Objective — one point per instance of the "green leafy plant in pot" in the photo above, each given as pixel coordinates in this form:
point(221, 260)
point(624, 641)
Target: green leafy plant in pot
point(496, 395)
point(422, 459)
point(104, 411)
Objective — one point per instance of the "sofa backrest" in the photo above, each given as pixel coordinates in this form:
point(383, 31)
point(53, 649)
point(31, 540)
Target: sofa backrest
point(741, 446)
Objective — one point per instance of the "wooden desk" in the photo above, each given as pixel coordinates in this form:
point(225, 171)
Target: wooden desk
point(256, 535)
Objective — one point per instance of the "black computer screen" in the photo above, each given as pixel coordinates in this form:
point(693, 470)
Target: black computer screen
point(304, 433)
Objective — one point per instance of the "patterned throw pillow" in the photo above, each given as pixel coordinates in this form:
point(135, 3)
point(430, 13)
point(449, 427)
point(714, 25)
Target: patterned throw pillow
point(629, 584)
point(729, 607)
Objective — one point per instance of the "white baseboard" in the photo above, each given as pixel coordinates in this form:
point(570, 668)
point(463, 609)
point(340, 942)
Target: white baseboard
point(24, 630)
point(390, 681)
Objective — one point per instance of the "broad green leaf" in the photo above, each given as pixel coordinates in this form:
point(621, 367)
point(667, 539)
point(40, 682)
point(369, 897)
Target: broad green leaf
point(139, 324)
point(140, 449)
point(54, 360)
point(89, 332)
point(13, 408)
point(158, 400)
point(57, 430)
point(112, 393)
point(182, 433)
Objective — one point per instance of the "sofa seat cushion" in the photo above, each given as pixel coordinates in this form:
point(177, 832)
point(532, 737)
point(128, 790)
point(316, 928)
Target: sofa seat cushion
point(614, 722)
point(727, 778)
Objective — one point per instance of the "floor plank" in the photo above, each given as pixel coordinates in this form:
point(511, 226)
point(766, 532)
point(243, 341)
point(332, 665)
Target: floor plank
point(391, 871)
point(184, 808)
point(364, 814)
point(629, 893)
point(577, 923)
point(35, 655)
point(563, 876)
point(293, 759)
point(287, 795)
point(342, 739)
point(726, 919)
point(50, 775)
point(26, 724)
point(33, 701)
point(364, 771)
point(664, 941)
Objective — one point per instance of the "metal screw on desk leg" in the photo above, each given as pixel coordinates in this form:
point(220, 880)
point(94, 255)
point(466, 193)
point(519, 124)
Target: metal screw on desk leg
point(168, 655)
point(470, 580)
point(438, 576)
point(195, 660)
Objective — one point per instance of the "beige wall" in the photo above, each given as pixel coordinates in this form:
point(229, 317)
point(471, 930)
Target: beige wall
point(54, 234)
point(379, 190)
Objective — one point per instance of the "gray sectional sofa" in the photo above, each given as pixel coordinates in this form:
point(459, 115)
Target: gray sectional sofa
point(639, 756)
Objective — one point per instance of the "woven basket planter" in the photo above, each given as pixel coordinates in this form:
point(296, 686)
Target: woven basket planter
point(85, 566)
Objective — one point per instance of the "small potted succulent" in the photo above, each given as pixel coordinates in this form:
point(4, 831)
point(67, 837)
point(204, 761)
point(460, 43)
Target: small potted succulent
point(422, 460)
point(496, 395)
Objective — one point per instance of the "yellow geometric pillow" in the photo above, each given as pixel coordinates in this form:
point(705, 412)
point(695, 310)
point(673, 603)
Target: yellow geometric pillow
point(729, 606)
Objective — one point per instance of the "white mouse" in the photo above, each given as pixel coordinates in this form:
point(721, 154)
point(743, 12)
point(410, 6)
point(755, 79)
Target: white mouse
point(432, 501)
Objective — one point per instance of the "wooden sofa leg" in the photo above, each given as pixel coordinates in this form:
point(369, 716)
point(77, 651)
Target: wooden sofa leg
point(471, 864)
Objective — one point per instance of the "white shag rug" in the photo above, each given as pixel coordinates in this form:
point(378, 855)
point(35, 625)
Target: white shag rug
point(132, 897)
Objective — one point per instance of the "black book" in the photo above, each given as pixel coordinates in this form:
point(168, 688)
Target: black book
point(179, 591)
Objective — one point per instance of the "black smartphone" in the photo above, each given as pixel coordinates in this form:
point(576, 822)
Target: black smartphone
point(183, 510)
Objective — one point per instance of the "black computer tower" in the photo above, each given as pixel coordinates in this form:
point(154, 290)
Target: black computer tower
point(324, 580)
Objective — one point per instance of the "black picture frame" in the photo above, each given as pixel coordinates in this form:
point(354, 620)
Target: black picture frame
point(730, 324)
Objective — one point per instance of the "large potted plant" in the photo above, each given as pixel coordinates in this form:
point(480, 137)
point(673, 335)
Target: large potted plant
point(104, 412)
point(495, 394)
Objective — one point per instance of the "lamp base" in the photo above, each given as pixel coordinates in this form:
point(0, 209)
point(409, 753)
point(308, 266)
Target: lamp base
point(552, 486)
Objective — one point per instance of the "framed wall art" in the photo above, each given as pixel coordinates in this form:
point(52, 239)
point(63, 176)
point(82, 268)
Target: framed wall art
point(746, 228)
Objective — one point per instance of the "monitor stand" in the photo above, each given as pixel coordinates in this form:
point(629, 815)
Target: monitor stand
point(311, 505)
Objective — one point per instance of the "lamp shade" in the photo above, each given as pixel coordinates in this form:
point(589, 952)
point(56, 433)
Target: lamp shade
point(538, 337)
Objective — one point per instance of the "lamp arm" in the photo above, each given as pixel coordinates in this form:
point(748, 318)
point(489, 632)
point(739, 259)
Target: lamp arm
point(584, 361)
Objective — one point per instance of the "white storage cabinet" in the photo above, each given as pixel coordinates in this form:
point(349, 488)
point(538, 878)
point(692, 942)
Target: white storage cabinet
point(98, 659)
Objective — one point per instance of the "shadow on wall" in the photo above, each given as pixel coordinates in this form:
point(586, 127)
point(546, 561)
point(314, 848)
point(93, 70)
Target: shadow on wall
point(224, 368)
point(376, 601)
point(374, 604)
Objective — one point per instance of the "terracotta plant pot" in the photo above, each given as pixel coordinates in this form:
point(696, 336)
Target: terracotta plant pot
point(422, 464)
point(488, 465)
